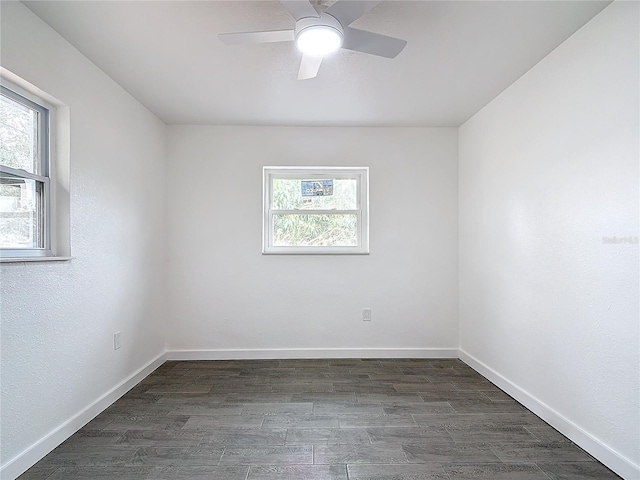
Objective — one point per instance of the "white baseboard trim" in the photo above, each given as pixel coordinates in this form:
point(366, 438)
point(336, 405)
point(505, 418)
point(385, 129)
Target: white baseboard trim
point(605, 454)
point(291, 353)
point(27, 458)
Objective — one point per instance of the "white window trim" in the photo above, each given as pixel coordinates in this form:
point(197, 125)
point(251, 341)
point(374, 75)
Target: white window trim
point(361, 174)
point(44, 160)
point(57, 216)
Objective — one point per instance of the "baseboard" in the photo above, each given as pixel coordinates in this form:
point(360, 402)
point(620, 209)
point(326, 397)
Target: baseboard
point(605, 454)
point(27, 458)
point(291, 353)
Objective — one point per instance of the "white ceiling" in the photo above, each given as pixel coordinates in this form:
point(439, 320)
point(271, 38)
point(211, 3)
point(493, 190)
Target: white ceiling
point(459, 56)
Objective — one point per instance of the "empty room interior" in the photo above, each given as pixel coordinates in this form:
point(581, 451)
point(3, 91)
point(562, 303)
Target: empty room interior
point(338, 240)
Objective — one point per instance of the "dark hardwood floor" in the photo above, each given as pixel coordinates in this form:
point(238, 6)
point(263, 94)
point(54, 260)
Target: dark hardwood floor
point(405, 419)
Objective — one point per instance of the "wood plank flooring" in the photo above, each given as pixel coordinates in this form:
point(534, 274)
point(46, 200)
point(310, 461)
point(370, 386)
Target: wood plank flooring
point(351, 419)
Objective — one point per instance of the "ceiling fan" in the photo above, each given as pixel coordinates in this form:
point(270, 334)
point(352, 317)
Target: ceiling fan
point(320, 33)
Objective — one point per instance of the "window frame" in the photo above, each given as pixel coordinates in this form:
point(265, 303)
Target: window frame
point(45, 169)
point(360, 174)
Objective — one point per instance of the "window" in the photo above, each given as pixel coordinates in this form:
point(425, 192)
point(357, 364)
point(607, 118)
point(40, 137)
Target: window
point(316, 210)
point(25, 169)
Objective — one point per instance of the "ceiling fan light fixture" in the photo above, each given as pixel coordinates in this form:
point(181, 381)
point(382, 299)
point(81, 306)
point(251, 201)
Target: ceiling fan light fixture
point(320, 31)
point(319, 40)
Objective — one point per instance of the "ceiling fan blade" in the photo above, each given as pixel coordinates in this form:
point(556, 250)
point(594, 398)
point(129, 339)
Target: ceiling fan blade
point(348, 11)
point(257, 37)
point(372, 43)
point(309, 67)
point(299, 9)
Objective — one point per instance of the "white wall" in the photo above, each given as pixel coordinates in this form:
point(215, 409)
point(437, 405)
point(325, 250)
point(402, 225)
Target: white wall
point(225, 295)
point(547, 170)
point(58, 318)
point(547, 309)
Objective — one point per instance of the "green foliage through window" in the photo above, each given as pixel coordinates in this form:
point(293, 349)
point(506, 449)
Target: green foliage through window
point(22, 172)
point(315, 229)
point(316, 210)
point(18, 135)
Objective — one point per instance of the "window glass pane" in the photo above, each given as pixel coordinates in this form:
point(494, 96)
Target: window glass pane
point(20, 212)
point(18, 135)
point(296, 230)
point(319, 194)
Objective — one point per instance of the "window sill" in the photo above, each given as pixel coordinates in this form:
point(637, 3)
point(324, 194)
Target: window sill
point(34, 259)
point(315, 253)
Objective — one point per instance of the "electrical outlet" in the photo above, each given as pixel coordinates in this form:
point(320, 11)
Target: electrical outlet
point(366, 314)
point(116, 340)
